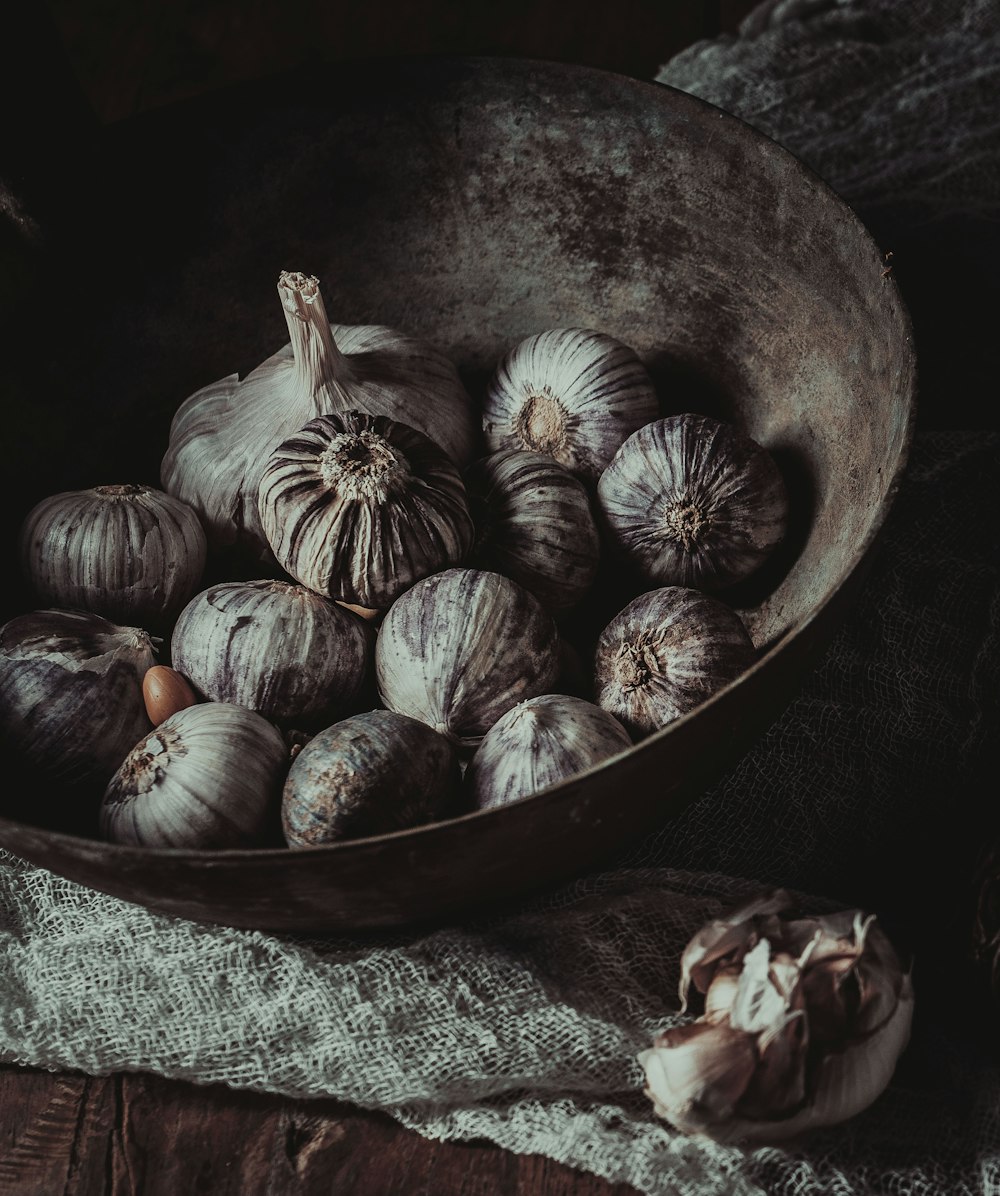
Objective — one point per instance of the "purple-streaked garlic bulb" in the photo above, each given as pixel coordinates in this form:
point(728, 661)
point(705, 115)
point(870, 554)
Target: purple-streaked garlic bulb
point(459, 649)
point(693, 502)
point(358, 508)
point(571, 393)
point(534, 524)
point(367, 775)
point(130, 553)
point(275, 648)
point(208, 777)
point(71, 702)
point(666, 653)
point(538, 743)
point(222, 436)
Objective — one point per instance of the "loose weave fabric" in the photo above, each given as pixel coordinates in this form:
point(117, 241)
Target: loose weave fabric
point(522, 1028)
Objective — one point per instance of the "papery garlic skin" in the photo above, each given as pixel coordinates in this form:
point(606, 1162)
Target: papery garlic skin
point(222, 436)
point(664, 654)
point(368, 775)
point(691, 501)
point(459, 649)
point(359, 507)
point(538, 743)
point(572, 393)
point(71, 702)
point(275, 648)
point(130, 553)
point(208, 777)
point(534, 524)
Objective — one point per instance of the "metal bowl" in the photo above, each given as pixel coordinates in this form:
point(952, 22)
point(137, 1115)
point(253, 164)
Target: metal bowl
point(474, 202)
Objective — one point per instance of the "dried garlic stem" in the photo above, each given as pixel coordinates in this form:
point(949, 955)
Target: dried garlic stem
point(319, 363)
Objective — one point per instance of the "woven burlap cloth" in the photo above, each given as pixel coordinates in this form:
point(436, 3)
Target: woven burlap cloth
point(522, 1029)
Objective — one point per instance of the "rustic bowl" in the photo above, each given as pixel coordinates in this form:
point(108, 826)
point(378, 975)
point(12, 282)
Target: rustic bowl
point(473, 202)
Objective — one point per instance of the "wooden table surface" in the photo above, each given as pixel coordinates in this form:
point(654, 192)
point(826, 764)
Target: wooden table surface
point(73, 1134)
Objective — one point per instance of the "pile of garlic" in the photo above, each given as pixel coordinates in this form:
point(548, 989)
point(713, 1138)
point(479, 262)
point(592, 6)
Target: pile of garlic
point(404, 652)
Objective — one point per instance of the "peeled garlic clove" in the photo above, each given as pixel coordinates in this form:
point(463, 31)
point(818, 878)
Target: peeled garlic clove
point(693, 502)
point(538, 743)
point(71, 692)
point(165, 692)
point(534, 524)
point(273, 647)
point(368, 775)
point(666, 653)
point(571, 393)
point(459, 649)
point(208, 777)
point(222, 436)
point(130, 553)
point(358, 508)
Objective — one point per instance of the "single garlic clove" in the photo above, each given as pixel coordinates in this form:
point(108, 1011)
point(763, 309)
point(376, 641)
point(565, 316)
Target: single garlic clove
point(358, 508)
point(459, 649)
point(538, 743)
point(571, 393)
point(368, 775)
point(275, 648)
point(696, 1073)
point(209, 777)
point(534, 524)
point(130, 553)
point(165, 692)
point(668, 651)
point(690, 501)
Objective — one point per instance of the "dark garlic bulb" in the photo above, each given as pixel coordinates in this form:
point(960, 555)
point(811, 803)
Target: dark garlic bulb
point(71, 702)
point(571, 393)
point(273, 647)
point(208, 777)
point(130, 553)
point(461, 648)
point(540, 742)
point(358, 508)
point(534, 524)
point(368, 775)
point(665, 653)
point(693, 502)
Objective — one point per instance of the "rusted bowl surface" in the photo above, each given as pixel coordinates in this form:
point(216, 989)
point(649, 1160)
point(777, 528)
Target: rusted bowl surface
point(474, 202)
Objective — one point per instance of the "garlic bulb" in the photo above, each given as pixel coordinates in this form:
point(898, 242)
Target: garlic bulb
point(370, 774)
point(538, 743)
point(805, 1019)
point(358, 507)
point(71, 692)
point(665, 653)
point(459, 649)
point(208, 777)
point(222, 436)
point(571, 393)
point(273, 647)
point(693, 502)
point(534, 524)
point(129, 553)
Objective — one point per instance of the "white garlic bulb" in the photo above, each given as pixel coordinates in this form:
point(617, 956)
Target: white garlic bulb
point(668, 651)
point(538, 743)
point(71, 700)
point(693, 502)
point(459, 649)
point(208, 777)
point(130, 553)
point(572, 393)
point(358, 507)
point(222, 436)
point(273, 647)
point(534, 524)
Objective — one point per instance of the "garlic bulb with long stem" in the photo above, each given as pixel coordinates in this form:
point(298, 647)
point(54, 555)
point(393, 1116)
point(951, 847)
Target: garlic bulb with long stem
point(130, 553)
point(71, 702)
point(208, 777)
point(572, 393)
point(222, 436)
